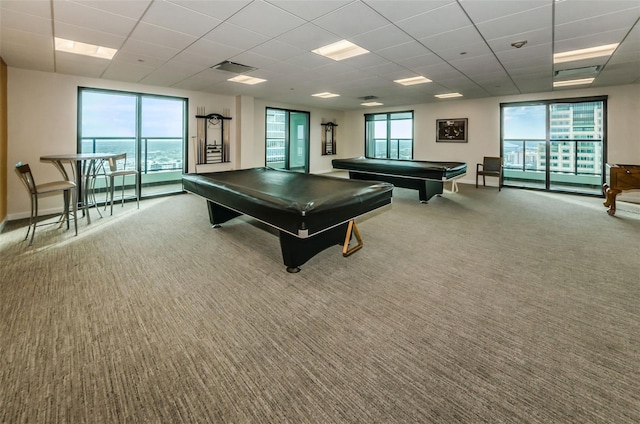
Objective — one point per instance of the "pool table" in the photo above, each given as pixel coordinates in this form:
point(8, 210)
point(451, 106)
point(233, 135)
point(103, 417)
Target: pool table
point(311, 212)
point(426, 177)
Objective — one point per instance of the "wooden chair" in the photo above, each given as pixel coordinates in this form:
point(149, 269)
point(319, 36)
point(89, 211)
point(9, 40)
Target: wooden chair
point(118, 168)
point(68, 188)
point(491, 166)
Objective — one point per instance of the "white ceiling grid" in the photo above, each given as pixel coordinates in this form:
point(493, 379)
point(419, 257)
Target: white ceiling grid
point(461, 45)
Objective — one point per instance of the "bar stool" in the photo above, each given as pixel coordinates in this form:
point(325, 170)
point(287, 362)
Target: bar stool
point(118, 168)
point(68, 188)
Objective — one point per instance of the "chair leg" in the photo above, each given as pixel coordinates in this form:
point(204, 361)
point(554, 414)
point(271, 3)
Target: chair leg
point(30, 219)
point(74, 200)
point(112, 182)
point(34, 214)
point(122, 193)
point(67, 200)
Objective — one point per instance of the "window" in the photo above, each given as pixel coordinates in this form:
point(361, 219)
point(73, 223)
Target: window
point(570, 132)
point(150, 129)
point(389, 135)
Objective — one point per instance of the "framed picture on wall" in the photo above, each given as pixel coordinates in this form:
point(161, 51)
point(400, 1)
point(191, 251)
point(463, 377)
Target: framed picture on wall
point(452, 130)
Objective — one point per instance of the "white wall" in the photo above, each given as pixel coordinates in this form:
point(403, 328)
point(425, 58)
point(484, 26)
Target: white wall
point(42, 119)
point(484, 126)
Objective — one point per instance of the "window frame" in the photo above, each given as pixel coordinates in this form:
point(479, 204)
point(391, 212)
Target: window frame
point(389, 118)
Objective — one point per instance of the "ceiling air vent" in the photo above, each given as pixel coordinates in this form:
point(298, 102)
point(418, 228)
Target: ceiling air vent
point(578, 71)
point(236, 68)
point(367, 98)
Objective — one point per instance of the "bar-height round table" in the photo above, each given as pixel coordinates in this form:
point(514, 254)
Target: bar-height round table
point(84, 167)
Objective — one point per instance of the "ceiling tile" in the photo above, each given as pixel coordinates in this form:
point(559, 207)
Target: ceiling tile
point(219, 9)
point(86, 35)
point(404, 51)
point(144, 49)
point(235, 36)
point(397, 10)
point(444, 19)
point(571, 11)
point(74, 64)
point(172, 16)
point(15, 20)
point(265, 19)
point(352, 20)
point(488, 10)
point(127, 8)
point(308, 37)
point(382, 38)
point(88, 17)
point(128, 71)
point(309, 9)
point(162, 36)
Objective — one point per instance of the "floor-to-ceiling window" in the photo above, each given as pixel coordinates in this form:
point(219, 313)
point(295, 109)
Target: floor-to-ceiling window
point(287, 139)
point(150, 129)
point(389, 135)
point(557, 145)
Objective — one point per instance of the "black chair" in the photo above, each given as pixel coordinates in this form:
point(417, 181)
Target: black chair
point(490, 167)
point(68, 188)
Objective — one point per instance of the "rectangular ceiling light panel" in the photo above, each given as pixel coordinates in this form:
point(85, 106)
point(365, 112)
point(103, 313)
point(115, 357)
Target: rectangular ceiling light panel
point(325, 95)
point(84, 49)
point(448, 95)
point(582, 81)
point(582, 54)
point(246, 79)
point(413, 80)
point(340, 50)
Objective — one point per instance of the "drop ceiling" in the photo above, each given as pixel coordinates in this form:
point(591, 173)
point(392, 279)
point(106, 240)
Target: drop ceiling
point(463, 46)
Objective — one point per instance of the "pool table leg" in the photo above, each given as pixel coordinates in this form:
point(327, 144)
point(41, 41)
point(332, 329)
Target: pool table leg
point(219, 214)
point(296, 251)
point(429, 189)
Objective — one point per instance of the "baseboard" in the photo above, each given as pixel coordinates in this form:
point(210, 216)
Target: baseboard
point(24, 215)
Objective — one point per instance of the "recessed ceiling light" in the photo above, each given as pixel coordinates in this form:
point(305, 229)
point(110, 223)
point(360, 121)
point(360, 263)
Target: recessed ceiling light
point(246, 79)
point(369, 104)
point(92, 50)
point(448, 95)
point(581, 54)
point(340, 50)
point(326, 95)
point(566, 83)
point(412, 80)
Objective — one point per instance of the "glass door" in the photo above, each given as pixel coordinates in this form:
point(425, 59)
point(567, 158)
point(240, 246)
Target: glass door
point(298, 141)
point(287, 139)
point(555, 145)
point(149, 129)
point(162, 122)
point(524, 143)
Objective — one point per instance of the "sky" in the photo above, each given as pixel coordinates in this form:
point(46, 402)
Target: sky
point(525, 122)
point(114, 115)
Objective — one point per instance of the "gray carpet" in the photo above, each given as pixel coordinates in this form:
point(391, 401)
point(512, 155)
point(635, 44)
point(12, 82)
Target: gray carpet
point(481, 306)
